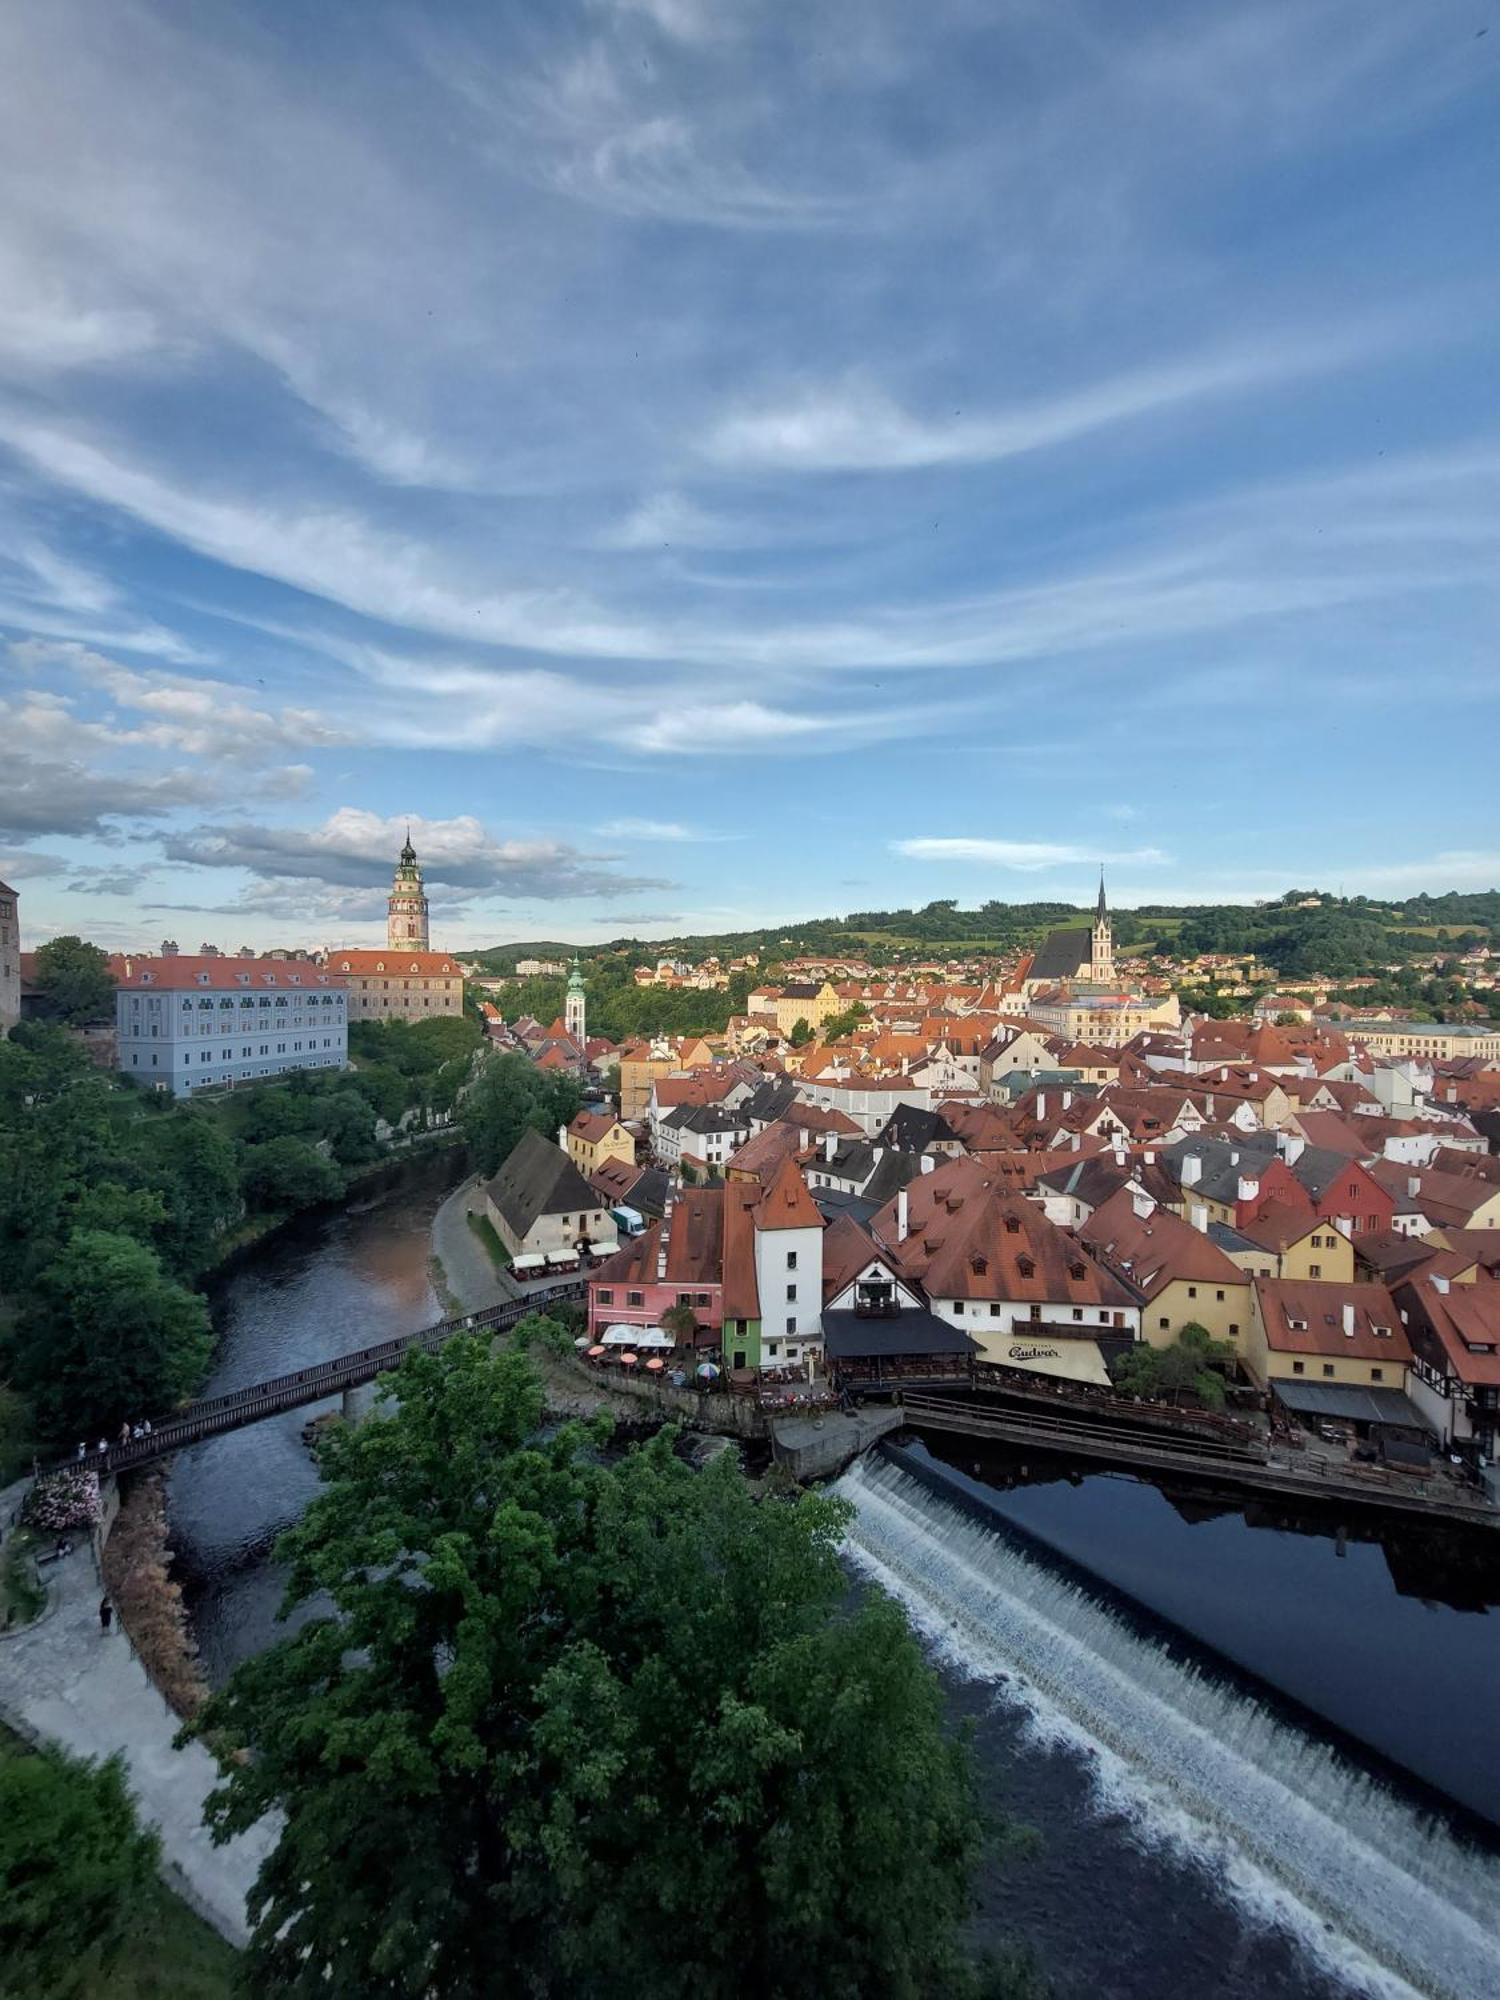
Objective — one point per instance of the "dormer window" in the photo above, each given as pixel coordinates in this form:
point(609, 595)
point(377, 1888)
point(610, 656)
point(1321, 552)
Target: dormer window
point(1026, 1266)
point(1012, 1226)
point(1076, 1272)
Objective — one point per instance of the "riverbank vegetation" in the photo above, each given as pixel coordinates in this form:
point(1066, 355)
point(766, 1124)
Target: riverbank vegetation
point(83, 1913)
point(148, 1600)
point(588, 1725)
point(510, 1095)
point(115, 1202)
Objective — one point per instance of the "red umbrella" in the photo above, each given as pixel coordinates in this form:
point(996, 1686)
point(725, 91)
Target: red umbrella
point(595, 1352)
point(656, 1364)
point(629, 1360)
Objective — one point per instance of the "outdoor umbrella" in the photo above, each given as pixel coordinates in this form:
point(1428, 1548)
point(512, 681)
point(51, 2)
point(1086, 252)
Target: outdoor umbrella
point(595, 1352)
point(656, 1363)
point(629, 1360)
point(652, 1336)
point(582, 1340)
point(707, 1369)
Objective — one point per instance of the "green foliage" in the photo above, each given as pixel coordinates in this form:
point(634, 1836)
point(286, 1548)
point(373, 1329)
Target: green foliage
point(76, 1873)
point(1162, 1373)
point(837, 1026)
point(286, 1174)
point(509, 1095)
point(75, 981)
point(587, 1728)
point(106, 1335)
point(801, 1035)
point(415, 1049)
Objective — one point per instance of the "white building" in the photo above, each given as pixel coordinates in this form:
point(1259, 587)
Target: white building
point(184, 1023)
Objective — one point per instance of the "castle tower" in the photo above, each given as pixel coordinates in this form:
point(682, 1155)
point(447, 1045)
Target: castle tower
point(575, 1008)
point(406, 920)
point(1101, 943)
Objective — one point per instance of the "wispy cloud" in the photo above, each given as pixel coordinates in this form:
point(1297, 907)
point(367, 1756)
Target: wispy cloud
point(658, 829)
point(1025, 856)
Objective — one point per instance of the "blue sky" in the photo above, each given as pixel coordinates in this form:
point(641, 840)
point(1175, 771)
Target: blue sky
point(709, 461)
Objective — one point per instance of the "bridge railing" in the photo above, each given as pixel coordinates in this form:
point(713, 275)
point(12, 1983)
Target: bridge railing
point(214, 1415)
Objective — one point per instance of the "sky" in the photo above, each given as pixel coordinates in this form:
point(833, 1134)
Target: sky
point(709, 462)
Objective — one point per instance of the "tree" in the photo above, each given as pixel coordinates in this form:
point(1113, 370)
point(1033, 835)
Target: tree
point(509, 1095)
point(681, 1322)
point(288, 1173)
point(107, 1335)
point(801, 1035)
point(585, 1728)
point(75, 980)
point(75, 1873)
point(1162, 1373)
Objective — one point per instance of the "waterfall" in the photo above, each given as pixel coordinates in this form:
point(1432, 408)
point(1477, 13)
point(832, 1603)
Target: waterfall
point(1288, 1827)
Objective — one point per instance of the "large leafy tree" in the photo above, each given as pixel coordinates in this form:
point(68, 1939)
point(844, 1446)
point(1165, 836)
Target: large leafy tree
point(288, 1173)
point(106, 1336)
point(75, 980)
point(509, 1095)
point(586, 1728)
point(75, 1872)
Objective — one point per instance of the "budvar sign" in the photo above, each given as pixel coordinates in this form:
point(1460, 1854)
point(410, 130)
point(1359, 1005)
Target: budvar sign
point(1035, 1354)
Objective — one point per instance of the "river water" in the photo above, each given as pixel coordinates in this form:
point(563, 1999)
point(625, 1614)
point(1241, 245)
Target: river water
point(1257, 1767)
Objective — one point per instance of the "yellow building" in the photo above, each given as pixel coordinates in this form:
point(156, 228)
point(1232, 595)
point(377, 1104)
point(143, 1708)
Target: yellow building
point(594, 1137)
point(1183, 1277)
point(1280, 1243)
point(800, 1001)
point(1439, 1041)
point(1350, 1336)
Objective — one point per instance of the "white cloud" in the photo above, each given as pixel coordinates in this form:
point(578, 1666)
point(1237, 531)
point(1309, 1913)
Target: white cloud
point(859, 428)
point(1025, 856)
point(736, 725)
point(657, 829)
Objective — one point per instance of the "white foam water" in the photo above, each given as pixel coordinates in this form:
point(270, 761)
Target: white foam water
point(1294, 1832)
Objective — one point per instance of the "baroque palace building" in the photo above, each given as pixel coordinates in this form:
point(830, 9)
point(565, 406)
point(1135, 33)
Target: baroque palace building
point(404, 981)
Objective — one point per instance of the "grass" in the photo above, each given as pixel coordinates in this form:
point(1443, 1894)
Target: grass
point(177, 1956)
point(485, 1230)
point(22, 1592)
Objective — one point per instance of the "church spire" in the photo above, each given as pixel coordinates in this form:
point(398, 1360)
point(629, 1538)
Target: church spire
point(1101, 910)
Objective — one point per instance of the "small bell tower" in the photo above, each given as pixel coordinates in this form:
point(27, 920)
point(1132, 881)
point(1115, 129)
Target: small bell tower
point(1102, 943)
point(575, 1008)
point(406, 909)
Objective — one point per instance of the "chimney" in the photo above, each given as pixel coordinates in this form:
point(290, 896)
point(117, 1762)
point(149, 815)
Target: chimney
point(1248, 1189)
point(925, 1163)
point(830, 1144)
point(1142, 1203)
point(1192, 1169)
point(1413, 1186)
point(1041, 1104)
point(902, 1216)
point(1067, 1100)
point(1077, 1142)
point(1348, 1320)
point(1119, 1152)
point(1291, 1146)
point(562, 1137)
point(1439, 1282)
point(1149, 1156)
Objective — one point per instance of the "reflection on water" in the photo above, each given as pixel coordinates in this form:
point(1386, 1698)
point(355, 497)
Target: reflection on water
point(1318, 1616)
point(324, 1285)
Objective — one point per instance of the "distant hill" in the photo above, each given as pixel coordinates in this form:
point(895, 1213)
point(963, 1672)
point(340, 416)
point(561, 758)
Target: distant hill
point(1305, 931)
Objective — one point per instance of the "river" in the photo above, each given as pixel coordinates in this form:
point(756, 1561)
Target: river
point(1235, 1743)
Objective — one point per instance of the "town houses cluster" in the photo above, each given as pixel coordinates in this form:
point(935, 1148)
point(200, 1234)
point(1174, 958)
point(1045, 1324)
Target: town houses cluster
point(1031, 1172)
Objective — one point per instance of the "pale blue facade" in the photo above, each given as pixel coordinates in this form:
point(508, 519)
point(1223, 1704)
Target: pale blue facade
point(187, 1025)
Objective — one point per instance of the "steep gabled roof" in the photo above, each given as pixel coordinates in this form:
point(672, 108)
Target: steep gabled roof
point(538, 1179)
point(786, 1203)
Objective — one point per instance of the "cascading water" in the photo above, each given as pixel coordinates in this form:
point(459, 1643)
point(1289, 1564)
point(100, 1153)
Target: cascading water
point(1291, 1829)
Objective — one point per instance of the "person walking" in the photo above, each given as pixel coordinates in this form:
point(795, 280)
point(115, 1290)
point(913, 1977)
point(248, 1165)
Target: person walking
point(82, 1449)
point(103, 1447)
point(106, 1614)
point(125, 1433)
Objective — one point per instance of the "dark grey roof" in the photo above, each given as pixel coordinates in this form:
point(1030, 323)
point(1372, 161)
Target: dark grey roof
point(1224, 1162)
point(802, 990)
point(1348, 1400)
point(1092, 1180)
point(1229, 1240)
point(1318, 1167)
point(1063, 954)
point(893, 1172)
point(771, 1100)
point(852, 1336)
point(539, 1179)
point(831, 1203)
point(913, 1129)
point(705, 1118)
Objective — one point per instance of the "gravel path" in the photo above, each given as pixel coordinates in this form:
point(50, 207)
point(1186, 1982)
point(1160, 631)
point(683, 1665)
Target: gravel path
point(65, 1681)
point(467, 1266)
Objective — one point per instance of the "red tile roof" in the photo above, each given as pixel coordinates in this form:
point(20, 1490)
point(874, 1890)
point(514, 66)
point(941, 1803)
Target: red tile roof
point(172, 975)
point(1305, 1316)
point(786, 1203)
point(429, 964)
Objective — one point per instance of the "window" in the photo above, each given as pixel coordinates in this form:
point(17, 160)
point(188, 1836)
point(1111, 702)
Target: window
point(1315, 1270)
point(1193, 1292)
point(1234, 1328)
point(1298, 1368)
point(1164, 1322)
point(1328, 1368)
point(634, 1299)
point(605, 1297)
point(994, 1308)
point(791, 1260)
point(1377, 1374)
point(1078, 1312)
point(771, 1349)
point(791, 1293)
point(1220, 1297)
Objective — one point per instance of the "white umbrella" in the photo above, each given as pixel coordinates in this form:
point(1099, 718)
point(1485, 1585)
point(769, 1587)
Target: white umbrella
point(584, 1340)
point(622, 1336)
point(653, 1336)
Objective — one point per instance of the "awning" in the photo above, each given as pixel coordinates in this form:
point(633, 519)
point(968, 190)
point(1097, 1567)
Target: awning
point(1350, 1402)
point(653, 1336)
point(1072, 1360)
point(623, 1336)
point(531, 1260)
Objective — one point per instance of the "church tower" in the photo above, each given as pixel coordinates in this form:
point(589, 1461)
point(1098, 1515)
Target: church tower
point(406, 919)
point(1101, 943)
point(575, 1008)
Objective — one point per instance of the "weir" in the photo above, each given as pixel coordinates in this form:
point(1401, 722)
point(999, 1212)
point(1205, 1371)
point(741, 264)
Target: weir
point(1287, 1825)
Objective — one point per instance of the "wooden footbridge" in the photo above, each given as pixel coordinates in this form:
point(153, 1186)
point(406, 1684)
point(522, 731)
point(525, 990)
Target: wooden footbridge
point(232, 1411)
point(1230, 1462)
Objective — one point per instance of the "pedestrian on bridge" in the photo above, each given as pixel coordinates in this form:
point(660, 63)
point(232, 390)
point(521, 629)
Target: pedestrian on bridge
point(125, 1432)
point(106, 1614)
point(82, 1449)
point(103, 1447)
